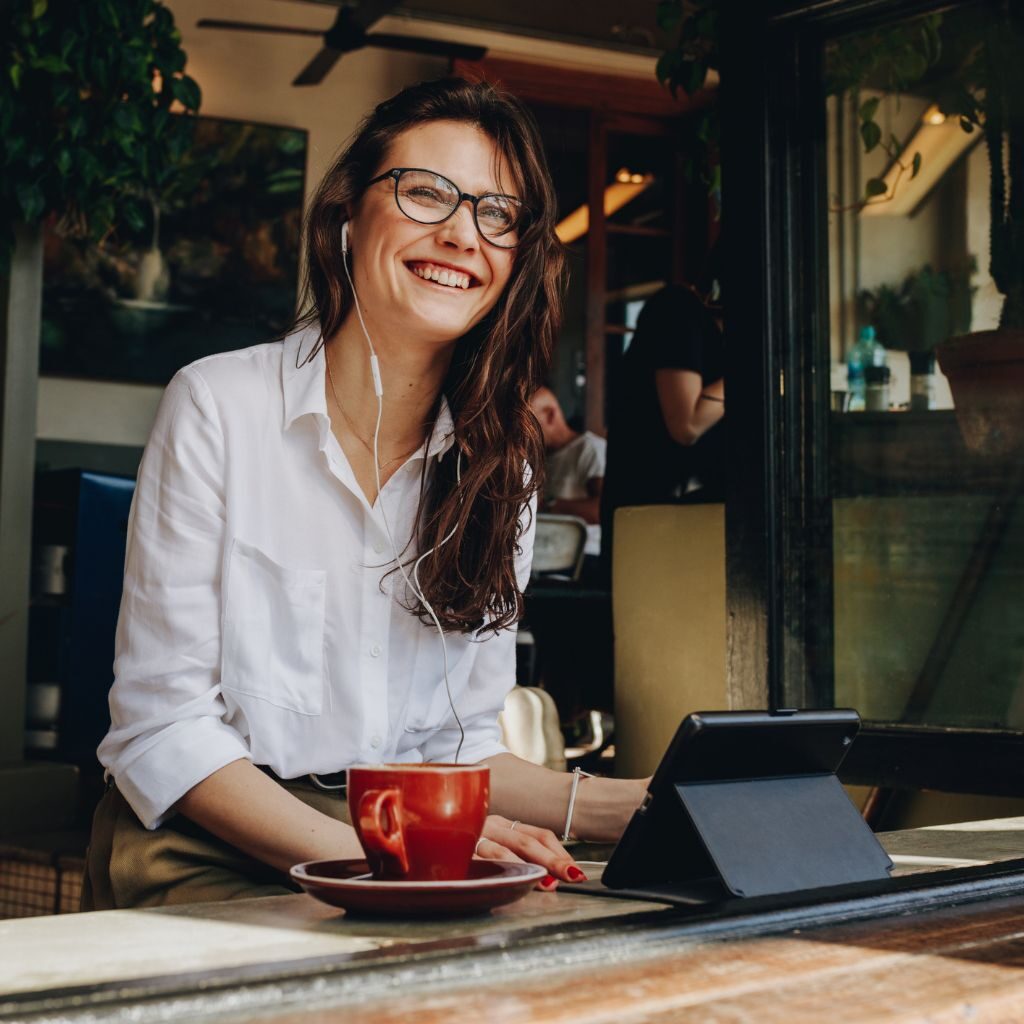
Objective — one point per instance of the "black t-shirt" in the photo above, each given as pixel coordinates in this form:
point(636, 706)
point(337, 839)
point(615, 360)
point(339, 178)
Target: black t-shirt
point(645, 466)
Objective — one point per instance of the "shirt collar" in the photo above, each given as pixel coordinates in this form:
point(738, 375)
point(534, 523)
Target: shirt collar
point(302, 383)
point(442, 437)
point(303, 390)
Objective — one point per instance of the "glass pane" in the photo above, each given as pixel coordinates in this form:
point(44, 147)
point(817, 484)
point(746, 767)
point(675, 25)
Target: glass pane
point(927, 527)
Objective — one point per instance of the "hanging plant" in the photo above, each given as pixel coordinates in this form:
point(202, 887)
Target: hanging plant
point(685, 67)
point(891, 59)
point(895, 56)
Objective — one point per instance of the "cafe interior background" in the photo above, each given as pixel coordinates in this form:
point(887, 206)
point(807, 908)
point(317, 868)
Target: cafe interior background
point(894, 588)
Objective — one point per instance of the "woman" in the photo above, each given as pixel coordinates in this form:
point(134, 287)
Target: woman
point(266, 640)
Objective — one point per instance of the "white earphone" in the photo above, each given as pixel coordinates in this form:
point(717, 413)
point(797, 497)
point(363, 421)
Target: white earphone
point(414, 583)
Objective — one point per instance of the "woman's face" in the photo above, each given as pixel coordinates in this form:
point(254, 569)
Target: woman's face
point(392, 255)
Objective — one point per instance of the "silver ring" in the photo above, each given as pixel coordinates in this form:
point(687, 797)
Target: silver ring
point(512, 827)
point(476, 849)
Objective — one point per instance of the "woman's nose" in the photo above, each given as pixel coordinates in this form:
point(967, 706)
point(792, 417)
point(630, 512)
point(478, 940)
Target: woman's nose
point(459, 229)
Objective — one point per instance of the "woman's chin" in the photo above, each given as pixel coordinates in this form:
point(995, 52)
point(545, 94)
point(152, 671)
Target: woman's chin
point(434, 326)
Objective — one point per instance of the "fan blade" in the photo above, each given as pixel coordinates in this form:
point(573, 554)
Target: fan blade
point(248, 26)
point(313, 73)
point(430, 47)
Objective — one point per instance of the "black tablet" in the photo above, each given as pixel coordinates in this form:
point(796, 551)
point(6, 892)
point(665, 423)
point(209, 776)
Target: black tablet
point(747, 803)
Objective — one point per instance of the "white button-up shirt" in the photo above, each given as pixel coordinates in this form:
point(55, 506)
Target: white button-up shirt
point(258, 620)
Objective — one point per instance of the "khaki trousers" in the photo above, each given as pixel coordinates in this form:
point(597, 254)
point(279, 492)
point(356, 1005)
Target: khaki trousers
point(128, 865)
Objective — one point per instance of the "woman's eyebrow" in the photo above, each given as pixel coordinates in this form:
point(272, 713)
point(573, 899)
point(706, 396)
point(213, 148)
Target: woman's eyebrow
point(498, 190)
point(485, 190)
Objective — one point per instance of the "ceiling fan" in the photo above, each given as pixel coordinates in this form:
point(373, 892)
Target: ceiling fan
point(349, 33)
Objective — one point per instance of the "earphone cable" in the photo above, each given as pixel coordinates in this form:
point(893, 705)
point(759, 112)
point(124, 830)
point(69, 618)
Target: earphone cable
point(414, 587)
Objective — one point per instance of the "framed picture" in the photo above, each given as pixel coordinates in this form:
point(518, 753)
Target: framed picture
point(211, 263)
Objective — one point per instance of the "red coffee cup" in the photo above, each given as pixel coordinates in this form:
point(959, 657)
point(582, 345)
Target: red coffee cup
point(419, 822)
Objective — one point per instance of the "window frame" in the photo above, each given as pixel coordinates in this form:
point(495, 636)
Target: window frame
point(778, 578)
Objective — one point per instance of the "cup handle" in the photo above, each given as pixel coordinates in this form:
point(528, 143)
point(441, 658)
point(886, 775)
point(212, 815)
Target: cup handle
point(376, 807)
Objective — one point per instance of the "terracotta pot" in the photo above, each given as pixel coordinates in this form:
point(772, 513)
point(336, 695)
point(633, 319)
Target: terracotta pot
point(986, 376)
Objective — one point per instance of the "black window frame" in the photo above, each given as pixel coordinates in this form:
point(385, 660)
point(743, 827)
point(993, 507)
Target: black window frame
point(775, 217)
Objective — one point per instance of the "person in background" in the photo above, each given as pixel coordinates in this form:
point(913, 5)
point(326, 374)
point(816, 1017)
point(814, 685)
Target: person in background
point(666, 441)
point(574, 467)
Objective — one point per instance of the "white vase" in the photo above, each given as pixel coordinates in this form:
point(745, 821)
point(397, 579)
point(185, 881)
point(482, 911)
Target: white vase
point(153, 278)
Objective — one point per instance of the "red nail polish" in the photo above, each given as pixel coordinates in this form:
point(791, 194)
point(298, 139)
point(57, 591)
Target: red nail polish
point(548, 882)
point(575, 874)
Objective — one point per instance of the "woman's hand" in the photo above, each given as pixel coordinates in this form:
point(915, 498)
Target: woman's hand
point(516, 841)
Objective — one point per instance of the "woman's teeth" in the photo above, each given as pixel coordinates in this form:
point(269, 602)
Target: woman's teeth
point(442, 275)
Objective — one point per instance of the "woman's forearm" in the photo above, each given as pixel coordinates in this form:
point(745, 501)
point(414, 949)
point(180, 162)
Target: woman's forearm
point(710, 407)
point(689, 408)
point(540, 796)
point(244, 807)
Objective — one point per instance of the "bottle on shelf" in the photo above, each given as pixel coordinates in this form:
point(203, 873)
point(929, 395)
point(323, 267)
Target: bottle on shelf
point(876, 391)
point(866, 352)
point(922, 381)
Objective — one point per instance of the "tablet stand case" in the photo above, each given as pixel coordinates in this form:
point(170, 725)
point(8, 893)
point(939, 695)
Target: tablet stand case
point(770, 836)
point(765, 837)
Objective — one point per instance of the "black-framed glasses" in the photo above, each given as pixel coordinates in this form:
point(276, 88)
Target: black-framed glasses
point(430, 198)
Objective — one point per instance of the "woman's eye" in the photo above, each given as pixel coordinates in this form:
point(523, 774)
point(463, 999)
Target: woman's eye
point(423, 194)
point(498, 215)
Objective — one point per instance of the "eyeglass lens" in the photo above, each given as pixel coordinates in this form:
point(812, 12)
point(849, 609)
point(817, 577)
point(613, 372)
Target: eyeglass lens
point(429, 198)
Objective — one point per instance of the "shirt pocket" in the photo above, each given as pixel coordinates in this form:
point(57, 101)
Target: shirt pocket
point(273, 634)
point(429, 707)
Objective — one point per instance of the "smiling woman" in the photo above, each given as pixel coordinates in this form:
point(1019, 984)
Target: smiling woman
point(304, 507)
point(506, 319)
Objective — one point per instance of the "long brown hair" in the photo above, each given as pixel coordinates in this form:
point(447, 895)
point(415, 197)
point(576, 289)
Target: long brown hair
point(470, 581)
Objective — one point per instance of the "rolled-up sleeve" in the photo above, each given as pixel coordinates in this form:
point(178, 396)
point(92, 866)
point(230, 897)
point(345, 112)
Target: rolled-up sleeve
point(167, 715)
point(493, 676)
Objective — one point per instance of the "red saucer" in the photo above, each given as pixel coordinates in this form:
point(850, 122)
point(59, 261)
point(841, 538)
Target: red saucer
point(348, 884)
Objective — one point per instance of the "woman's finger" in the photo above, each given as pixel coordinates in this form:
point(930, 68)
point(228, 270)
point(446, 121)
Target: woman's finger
point(488, 849)
point(543, 835)
point(558, 862)
point(534, 845)
point(496, 825)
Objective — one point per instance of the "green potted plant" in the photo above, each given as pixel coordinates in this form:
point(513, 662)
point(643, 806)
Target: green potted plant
point(926, 308)
point(89, 101)
point(86, 98)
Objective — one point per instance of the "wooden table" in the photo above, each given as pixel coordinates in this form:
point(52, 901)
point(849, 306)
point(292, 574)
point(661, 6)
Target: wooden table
point(951, 949)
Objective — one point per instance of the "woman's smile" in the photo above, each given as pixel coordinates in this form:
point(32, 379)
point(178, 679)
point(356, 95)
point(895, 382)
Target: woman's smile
point(443, 274)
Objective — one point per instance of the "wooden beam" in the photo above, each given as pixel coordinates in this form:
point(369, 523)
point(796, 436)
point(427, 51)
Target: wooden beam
point(591, 90)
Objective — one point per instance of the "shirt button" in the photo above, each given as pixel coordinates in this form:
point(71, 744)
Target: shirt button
point(375, 742)
point(375, 651)
point(378, 547)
